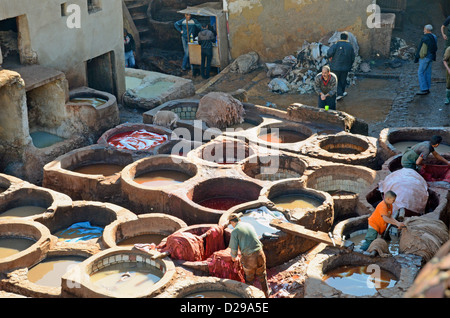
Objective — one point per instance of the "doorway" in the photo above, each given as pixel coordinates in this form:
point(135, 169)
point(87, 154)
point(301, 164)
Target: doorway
point(101, 73)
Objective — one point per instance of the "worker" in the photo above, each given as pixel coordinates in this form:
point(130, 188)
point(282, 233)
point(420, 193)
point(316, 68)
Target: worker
point(130, 49)
point(244, 239)
point(380, 218)
point(188, 28)
point(206, 38)
point(413, 157)
point(325, 85)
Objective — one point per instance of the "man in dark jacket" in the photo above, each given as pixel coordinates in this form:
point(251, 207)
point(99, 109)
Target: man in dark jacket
point(130, 49)
point(342, 57)
point(425, 55)
point(206, 38)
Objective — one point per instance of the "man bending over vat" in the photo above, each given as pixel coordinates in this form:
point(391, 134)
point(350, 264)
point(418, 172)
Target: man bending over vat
point(245, 239)
point(413, 157)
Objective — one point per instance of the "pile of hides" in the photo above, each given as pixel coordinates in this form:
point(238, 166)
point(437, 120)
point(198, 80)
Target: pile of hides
point(220, 110)
point(423, 237)
point(221, 265)
point(245, 63)
point(380, 246)
point(297, 73)
point(184, 246)
point(401, 50)
point(166, 118)
point(410, 187)
point(190, 247)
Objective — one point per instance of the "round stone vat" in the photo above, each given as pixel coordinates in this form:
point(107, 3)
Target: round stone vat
point(394, 141)
point(99, 108)
point(336, 273)
point(279, 247)
point(283, 133)
point(91, 173)
point(344, 148)
point(119, 272)
point(210, 287)
point(147, 183)
point(436, 204)
point(31, 201)
point(355, 229)
point(8, 182)
point(140, 140)
point(274, 167)
point(22, 243)
point(394, 163)
point(145, 229)
point(83, 222)
point(344, 183)
point(222, 152)
point(206, 201)
point(43, 279)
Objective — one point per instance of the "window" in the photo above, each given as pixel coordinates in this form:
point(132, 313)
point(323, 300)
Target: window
point(64, 9)
point(94, 5)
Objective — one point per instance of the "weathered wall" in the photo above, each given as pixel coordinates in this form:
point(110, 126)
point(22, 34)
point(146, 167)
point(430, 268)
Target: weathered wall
point(275, 29)
point(67, 49)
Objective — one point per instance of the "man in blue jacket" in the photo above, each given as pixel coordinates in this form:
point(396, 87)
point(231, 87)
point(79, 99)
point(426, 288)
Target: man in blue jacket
point(425, 55)
point(188, 28)
point(342, 57)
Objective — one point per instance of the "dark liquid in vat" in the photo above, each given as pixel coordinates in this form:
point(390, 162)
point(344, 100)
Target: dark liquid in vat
point(221, 203)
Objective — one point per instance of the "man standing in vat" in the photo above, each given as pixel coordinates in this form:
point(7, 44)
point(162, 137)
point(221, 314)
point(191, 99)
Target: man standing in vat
point(325, 85)
point(380, 218)
point(253, 259)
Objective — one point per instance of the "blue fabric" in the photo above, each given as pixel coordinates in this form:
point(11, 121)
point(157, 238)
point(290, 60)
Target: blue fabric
point(186, 62)
point(85, 231)
point(425, 73)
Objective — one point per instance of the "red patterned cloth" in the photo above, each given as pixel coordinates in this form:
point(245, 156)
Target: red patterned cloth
point(184, 246)
point(221, 265)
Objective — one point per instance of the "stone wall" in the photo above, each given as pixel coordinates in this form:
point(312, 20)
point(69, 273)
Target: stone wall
point(45, 34)
point(275, 29)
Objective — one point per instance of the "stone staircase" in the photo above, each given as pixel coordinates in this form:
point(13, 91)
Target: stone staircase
point(138, 11)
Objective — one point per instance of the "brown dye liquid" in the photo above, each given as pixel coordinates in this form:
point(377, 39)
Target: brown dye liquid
point(94, 101)
point(142, 239)
point(296, 201)
point(102, 169)
point(283, 137)
point(211, 294)
point(127, 279)
point(23, 211)
point(49, 272)
point(161, 178)
point(13, 245)
point(344, 151)
point(359, 280)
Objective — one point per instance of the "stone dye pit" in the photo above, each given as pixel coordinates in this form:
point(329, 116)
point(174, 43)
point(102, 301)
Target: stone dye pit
point(44, 125)
point(119, 273)
point(142, 196)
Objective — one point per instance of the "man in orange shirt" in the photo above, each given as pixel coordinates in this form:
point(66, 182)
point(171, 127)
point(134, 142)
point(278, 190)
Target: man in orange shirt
point(380, 218)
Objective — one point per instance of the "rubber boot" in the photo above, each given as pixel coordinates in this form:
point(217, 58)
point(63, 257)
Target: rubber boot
point(447, 100)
